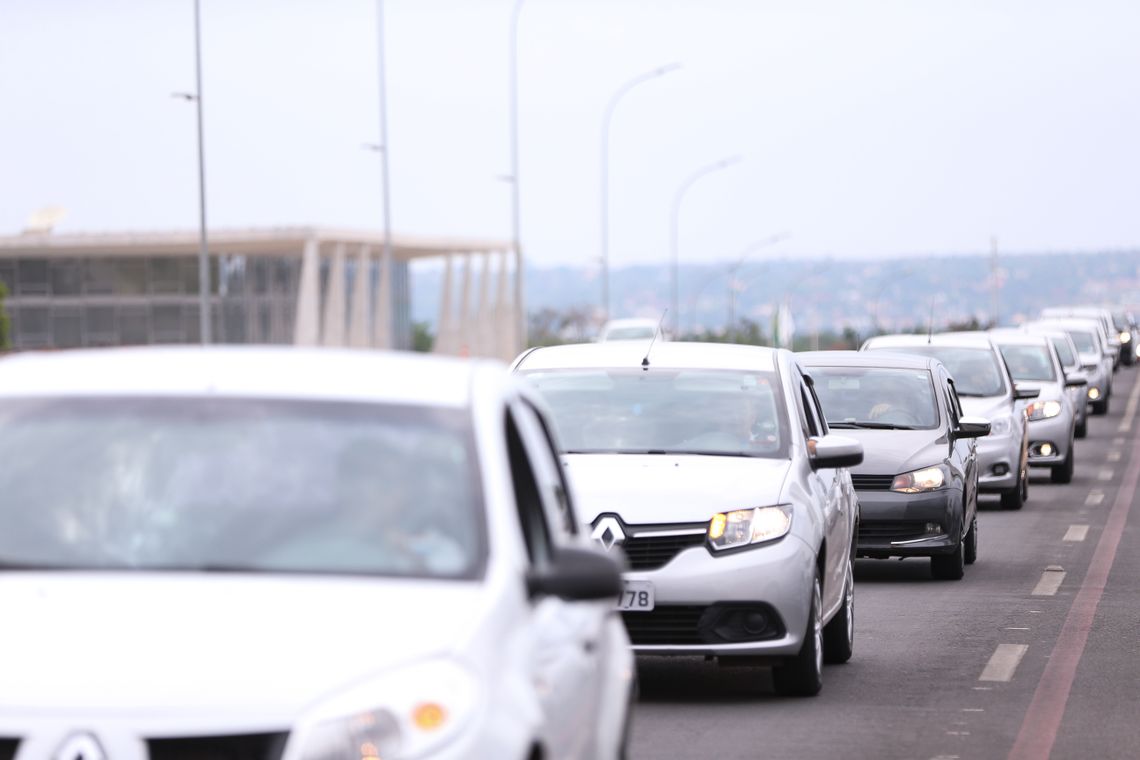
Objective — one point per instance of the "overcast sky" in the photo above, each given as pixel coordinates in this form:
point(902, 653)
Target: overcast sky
point(868, 128)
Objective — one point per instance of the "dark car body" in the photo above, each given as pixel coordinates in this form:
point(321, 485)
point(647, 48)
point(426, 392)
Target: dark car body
point(938, 522)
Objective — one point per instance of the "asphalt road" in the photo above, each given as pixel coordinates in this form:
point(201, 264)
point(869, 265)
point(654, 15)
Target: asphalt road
point(1035, 654)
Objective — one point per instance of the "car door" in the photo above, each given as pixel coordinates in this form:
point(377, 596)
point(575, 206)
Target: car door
point(829, 491)
point(963, 451)
point(566, 667)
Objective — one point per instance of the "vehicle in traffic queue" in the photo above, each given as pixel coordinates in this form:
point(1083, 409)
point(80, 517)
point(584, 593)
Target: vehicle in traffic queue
point(299, 554)
point(1076, 379)
point(713, 468)
point(985, 389)
point(1110, 336)
point(636, 329)
point(1095, 362)
point(1126, 329)
point(1052, 420)
point(918, 482)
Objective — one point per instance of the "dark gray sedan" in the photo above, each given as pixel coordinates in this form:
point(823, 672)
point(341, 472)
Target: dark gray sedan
point(918, 484)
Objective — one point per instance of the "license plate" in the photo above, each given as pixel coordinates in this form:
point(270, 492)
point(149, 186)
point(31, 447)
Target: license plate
point(636, 596)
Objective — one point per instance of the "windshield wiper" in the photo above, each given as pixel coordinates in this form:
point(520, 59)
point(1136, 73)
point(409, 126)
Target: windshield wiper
point(964, 394)
point(869, 425)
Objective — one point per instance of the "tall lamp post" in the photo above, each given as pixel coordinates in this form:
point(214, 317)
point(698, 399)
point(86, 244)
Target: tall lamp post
point(674, 217)
point(735, 269)
point(383, 150)
point(203, 242)
point(516, 240)
point(618, 95)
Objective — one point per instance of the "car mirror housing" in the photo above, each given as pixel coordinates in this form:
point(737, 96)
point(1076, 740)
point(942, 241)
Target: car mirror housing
point(972, 427)
point(577, 574)
point(835, 451)
point(1024, 394)
point(1076, 380)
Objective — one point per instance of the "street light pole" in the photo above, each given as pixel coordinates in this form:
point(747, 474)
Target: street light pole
point(620, 93)
point(203, 243)
point(735, 269)
point(386, 262)
point(516, 238)
point(674, 215)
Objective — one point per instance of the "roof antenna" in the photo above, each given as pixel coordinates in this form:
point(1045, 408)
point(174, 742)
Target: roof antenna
point(930, 324)
point(645, 361)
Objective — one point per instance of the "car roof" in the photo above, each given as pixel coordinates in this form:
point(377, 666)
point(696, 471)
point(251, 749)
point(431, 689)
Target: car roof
point(250, 372)
point(673, 355)
point(1015, 337)
point(1076, 323)
point(960, 340)
point(884, 359)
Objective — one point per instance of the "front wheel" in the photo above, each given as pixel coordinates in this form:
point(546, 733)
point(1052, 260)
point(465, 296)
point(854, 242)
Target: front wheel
point(839, 634)
point(1012, 498)
point(1063, 473)
point(1082, 429)
point(971, 553)
point(802, 675)
point(949, 567)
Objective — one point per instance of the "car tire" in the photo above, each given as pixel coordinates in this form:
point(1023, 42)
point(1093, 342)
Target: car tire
point(839, 634)
point(1063, 473)
point(971, 552)
point(1012, 498)
point(1082, 429)
point(1100, 408)
point(802, 675)
point(949, 567)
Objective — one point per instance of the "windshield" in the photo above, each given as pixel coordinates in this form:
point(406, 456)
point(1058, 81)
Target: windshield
point(1084, 341)
point(1029, 362)
point(900, 397)
point(1064, 351)
point(630, 333)
point(244, 485)
point(688, 411)
point(976, 371)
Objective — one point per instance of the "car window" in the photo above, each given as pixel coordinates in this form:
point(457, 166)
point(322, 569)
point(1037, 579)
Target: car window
point(903, 397)
point(528, 497)
point(1085, 341)
point(547, 469)
point(1033, 363)
point(240, 484)
point(1064, 351)
point(954, 401)
point(976, 371)
point(665, 411)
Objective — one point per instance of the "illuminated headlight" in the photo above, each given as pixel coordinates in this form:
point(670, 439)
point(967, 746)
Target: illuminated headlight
point(1043, 410)
point(1001, 426)
point(421, 708)
point(729, 530)
point(926, 479)
point(1125, 336)
point(1094, 393)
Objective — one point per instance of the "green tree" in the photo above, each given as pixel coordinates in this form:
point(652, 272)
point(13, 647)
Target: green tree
point(5, 329)
point(422, 337)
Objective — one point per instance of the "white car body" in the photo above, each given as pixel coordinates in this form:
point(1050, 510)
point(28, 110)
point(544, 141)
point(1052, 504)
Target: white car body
point(632, 329)
point(113, 662)
point(660, 505)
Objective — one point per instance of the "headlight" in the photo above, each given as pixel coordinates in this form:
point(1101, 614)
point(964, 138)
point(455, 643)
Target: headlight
point(926, 479)
point(729, 530)
point(1125, 336)
point(1094, 393)
point(405, 714)
point(1043, 410)
point(1001, 426)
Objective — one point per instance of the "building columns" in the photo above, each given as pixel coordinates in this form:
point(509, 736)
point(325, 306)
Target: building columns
point(307, 328)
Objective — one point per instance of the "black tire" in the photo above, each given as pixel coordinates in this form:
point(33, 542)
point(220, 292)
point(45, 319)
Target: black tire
point(949, 567)
point(1063, 473)
point(1082, 429)
point(839, 634)
point(1013, 498)
point(802, 675)
point(970, 555)
point(1100, 408)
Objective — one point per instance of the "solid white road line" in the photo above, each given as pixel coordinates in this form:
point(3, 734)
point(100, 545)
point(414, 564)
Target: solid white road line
point(1130, 410)
point(1076, 533)
point(1051, 580)
point(1003, 663)
point(1094, 498)
point(1109, 474)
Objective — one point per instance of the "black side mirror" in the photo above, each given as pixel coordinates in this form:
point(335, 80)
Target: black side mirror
point(972, 427)
point(1024, 394)
point(577, 574)
point(1076, 381)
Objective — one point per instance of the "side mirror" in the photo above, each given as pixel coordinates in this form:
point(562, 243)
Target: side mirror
point(1076, 380)
point(831, 451)
point(972, 427)
point(577, 574)
point(1024, 394)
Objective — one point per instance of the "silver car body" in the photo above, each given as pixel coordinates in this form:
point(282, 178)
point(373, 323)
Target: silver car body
point(1096, 362)
point(1003, 454)
point(1061, 339)
point(1102, 315)
point(672, 497)
point(117, 659)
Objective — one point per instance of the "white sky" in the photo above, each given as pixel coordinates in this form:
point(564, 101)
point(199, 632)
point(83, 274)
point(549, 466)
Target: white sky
point(868, 128)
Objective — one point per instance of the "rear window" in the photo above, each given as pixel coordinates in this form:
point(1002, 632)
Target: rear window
point(976, 371)
point(1064, 351)
point(1033, 363)
point(859, 395)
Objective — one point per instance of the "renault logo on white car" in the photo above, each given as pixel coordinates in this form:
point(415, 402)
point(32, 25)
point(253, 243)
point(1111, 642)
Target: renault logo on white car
point(80, 747)
point(608, 533)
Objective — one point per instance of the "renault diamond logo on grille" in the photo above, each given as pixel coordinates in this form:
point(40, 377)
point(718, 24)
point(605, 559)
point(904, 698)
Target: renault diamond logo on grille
point(80, 747)
point(608, 533)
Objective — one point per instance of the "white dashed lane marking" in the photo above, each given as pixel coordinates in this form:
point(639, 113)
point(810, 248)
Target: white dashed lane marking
point(1076, 533)
point(1094, 498)
point(1051, 580)
point(1107, 474)
point(1003, 663)
point(1114, 456)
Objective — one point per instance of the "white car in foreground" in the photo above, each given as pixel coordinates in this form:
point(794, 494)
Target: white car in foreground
point(295, 555)
point(712, 467)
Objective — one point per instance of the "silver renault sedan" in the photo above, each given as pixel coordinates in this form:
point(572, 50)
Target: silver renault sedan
point(712, 466)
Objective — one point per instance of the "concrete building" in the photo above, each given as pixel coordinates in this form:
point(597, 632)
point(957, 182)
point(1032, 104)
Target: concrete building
point(299, 285)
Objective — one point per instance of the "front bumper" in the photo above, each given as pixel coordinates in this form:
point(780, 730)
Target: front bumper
point(895, 524)
point(999, 462)
point(778, 576)
point(1056, 431)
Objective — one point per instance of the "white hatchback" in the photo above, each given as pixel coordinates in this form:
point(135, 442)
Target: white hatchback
point(295, 554)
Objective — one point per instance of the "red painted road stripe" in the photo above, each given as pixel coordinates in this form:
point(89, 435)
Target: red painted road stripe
point(1043, 719)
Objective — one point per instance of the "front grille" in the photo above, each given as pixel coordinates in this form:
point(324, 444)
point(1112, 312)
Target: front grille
point(872, 482)
point(891, 530)
point(696, 624)
point(652, 552)
point(8, 748)
point(236, 747)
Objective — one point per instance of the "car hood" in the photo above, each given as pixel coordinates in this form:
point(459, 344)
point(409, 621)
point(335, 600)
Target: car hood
point(890, 452)
point(218, 645)
point(985, 406)
point(1047, 389)
point(659, 488)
